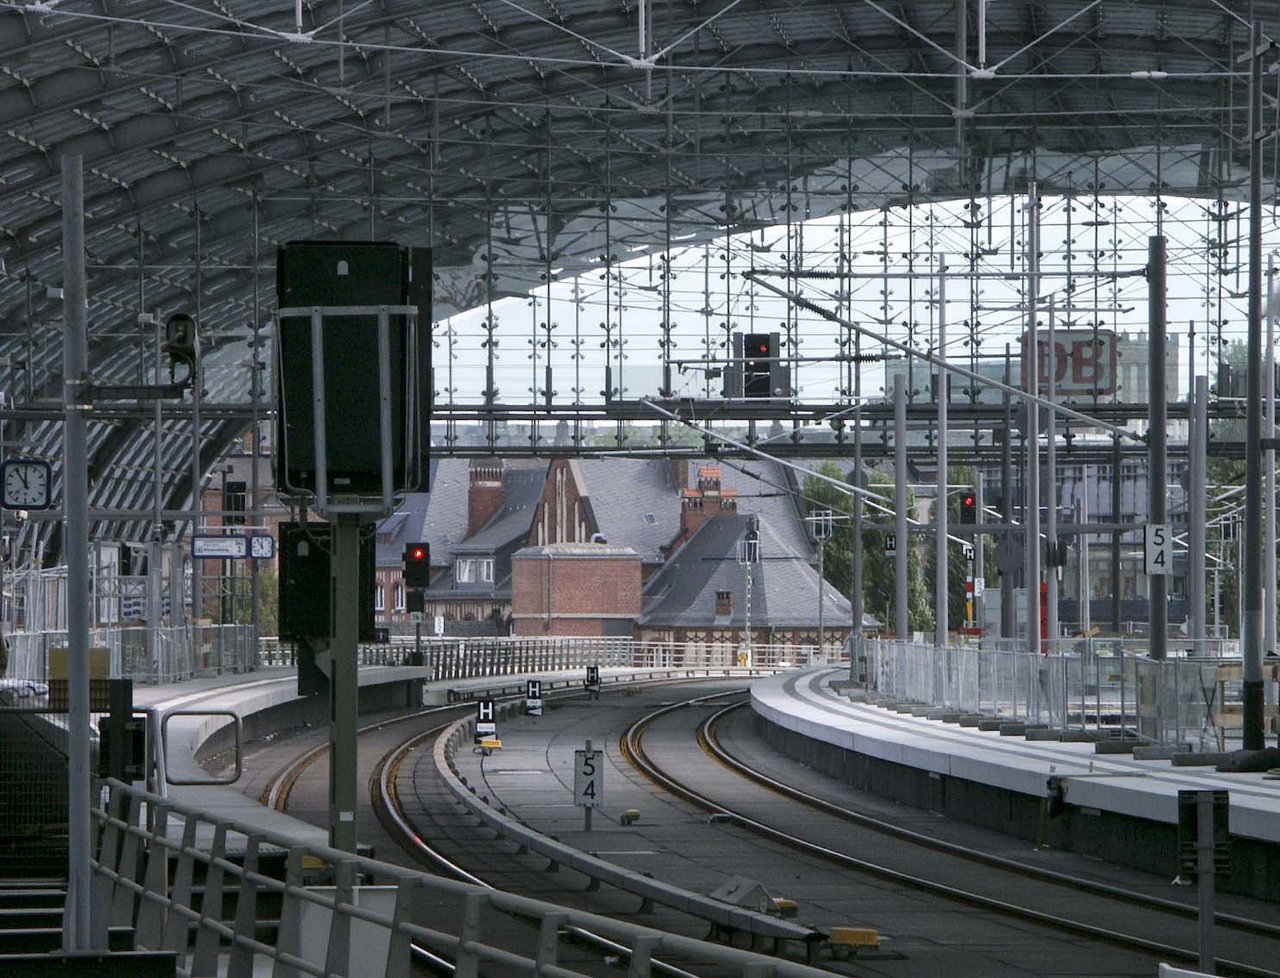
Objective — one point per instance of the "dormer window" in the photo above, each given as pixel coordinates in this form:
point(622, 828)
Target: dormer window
point(473, 570)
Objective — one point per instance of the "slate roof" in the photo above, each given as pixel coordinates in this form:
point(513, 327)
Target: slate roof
point(446, 513)
point(784, 587)
point(403, 526)
point(524, 489)
point(765, 489)
point(446, 520)
point(634, 501)
point(505, 532)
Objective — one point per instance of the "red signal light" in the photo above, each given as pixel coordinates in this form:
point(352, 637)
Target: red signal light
point(417, 565)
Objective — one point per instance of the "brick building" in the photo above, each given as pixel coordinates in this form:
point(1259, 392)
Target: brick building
point(607, 547)
point(578, 589)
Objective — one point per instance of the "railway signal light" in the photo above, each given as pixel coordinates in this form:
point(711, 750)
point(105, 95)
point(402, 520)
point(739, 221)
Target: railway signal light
point(757, 368)
point(417, 565)
point(969, 508)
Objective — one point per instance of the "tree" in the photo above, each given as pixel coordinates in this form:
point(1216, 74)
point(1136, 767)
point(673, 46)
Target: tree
point(957, 566)
point(878, 571)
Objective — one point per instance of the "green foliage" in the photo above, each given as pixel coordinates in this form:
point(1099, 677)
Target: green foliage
point(236, 602)
point(878, 572)
point(957, 566)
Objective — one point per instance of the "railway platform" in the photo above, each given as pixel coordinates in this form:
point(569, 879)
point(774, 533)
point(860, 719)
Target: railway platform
point(1100, 796)
point(200, 717)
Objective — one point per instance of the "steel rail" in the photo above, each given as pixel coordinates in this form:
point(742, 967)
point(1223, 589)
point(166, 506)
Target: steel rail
point(390, 814)
point(389, 811)
point(711, 744)
point(633, 749)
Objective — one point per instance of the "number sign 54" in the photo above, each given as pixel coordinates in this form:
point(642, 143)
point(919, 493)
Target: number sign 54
point(588, 778)
point(1159, 548)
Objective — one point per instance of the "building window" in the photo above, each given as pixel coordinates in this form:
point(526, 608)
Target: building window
point(380, 598)
point(400, 596)
point(474, 570)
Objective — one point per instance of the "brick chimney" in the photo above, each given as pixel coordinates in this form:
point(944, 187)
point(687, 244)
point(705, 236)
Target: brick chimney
point(486, 493)
point(705, 501)
point(724, 604)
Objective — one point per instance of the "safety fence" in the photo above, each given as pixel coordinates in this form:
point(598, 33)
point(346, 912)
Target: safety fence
point(176, 654)
point(1171, 701)
point(143, 654)
point(226, 898)
point(464, 658)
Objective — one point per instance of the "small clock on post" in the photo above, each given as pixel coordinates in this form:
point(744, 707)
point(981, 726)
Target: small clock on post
point(25, 483)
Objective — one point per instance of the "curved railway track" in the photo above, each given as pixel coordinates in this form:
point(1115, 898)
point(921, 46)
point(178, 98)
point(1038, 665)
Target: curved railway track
point(1086, 908)
point(383, 793)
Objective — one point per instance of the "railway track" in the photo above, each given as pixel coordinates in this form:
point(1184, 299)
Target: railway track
point(400, 826)
point(1082, 907)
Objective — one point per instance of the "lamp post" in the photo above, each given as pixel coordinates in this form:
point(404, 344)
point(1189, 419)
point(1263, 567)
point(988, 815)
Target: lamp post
point(748, 554)
point(821, 524)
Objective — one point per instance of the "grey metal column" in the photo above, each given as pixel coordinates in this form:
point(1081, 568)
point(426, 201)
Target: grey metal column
point(344, 683)
point(1115, 536)
point(979, 549)
point(822, 592)
point(1253, 737)
point(1008, 617)
point(1031, 512)
point(76, 928)
point(255, 504)
point(1086, 586)
point(1269, 502)
point(855, 548)
point(901, 621)
point(940, 596)
point(197, 495)
point(1157, 439)
point(1197, 510)
point(1051, 489)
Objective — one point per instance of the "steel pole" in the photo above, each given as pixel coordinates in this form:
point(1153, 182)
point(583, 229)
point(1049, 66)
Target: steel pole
point(1251, 627)
point(1197, 511)
point(77, 932)
point(1269, 468)
point(1157, 440)
point(855, 586)
point(901, 620)
point(940, 518)
point(1086, 588)
point(344, 683)
point(1031, 482)
point(1051, 488)
point(979, 552)
point(1116, 588)
point(822, 589)
point(1008, 617)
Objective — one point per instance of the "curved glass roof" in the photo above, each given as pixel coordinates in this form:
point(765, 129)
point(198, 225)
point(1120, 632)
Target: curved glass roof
point(527, 142)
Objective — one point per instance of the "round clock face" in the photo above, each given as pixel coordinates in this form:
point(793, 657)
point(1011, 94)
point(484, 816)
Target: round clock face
point(262, 547)
point(25, 483)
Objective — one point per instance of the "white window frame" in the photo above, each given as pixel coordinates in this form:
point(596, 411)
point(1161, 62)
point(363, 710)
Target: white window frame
point(473, 570)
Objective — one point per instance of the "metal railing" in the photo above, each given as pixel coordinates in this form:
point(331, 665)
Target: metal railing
point(1102, 686)
point(725, 917)
point(145, 655)
point(335, 914)
point(464, 658)
point(166, 655)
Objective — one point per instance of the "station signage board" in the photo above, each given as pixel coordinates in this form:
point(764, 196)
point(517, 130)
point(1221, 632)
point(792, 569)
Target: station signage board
point(1085, 362)
point(216, 546)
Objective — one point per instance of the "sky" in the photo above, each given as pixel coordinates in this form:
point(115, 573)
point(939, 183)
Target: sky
point(1093, 250)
